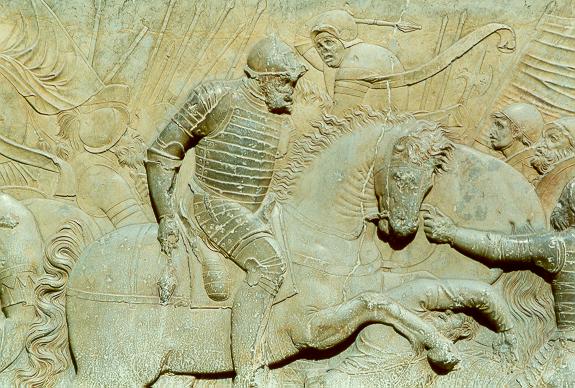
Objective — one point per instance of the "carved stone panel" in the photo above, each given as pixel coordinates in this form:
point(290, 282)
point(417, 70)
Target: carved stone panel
point(266, 193)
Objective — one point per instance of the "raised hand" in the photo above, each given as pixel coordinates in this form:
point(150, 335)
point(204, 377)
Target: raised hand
point(438, 227)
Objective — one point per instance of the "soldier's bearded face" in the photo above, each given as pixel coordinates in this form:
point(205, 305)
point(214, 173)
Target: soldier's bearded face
point(278, 92)
point(553, 147)
point(130, 149)
point(330, 49)
point(500, 134)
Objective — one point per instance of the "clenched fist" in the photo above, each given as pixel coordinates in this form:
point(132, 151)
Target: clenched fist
point(438, 227)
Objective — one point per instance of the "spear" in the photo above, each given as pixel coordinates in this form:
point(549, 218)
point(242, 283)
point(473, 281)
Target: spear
point(230, 4)
point(151, 63)
point(261, 7)
point(124, 58)
point(439, 101)
point(95, 30)
point(441, 36)
point(222, 52)
point(181, 50)
point(401, 25)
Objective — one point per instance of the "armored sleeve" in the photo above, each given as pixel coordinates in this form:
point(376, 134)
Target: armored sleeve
point(184, 130)
point(545, 250)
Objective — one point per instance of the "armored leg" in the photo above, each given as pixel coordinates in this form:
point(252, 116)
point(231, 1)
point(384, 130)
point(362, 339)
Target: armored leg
point(265, 267)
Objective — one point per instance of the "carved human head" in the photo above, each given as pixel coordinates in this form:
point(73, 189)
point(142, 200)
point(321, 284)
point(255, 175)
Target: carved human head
point(516, 123)
point(130, 149)
point(563, 215)
point(332, 33)
point(276, 69)
point(557, 143)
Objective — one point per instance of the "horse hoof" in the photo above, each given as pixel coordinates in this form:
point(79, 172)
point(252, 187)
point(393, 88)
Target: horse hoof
point(445, 357)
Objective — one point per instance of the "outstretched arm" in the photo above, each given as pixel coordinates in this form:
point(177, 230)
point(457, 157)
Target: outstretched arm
point(542, 250)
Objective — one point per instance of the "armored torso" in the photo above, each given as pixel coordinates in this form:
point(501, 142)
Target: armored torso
point(237, 159)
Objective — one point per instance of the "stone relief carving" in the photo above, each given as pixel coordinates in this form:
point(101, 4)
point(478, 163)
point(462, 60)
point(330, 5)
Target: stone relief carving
point(263, 194)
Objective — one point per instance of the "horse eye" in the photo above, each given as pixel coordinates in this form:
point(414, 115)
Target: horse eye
point(399, 148)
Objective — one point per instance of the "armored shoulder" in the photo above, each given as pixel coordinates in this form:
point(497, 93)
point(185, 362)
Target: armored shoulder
point(202, 102)
point(192, 122)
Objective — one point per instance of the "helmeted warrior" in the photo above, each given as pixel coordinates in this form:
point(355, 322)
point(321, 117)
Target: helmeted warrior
point(236, 129)
point(515, 130)
point(334, 47)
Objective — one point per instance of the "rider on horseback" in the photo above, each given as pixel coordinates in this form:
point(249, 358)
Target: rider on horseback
point(235, 128)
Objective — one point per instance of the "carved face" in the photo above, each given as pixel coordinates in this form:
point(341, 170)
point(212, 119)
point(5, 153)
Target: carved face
point(500, 134)
point(554, 146)
point(330, 49)
point(130, 149)
point(278, 92)
point(407, 185)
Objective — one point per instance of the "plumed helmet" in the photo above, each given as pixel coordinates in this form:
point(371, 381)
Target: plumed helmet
point(272, 56)
point(337, 23)
point(527, 121)
point(567, 124)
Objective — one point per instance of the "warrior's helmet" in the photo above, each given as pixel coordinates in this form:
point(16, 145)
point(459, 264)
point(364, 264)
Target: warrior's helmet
point(271, 56)
point(567, 125)
point(527, 122)
point(340, 24)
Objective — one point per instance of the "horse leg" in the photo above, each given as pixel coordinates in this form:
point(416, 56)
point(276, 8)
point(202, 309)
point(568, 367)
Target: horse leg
point(330, 326)
point(434, 294)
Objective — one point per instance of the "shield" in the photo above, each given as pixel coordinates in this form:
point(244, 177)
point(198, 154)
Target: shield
point(551, 185)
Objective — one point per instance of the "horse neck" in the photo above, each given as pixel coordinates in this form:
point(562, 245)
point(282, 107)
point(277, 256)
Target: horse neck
point(341, 180)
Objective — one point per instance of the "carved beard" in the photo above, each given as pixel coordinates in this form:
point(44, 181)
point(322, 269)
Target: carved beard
point(130, 151)
point(545, 159)
point(559, 219)
point(276, 101)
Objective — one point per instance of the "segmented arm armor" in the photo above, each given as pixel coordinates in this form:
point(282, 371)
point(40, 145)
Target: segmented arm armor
point(185, 129)
point(545, 250)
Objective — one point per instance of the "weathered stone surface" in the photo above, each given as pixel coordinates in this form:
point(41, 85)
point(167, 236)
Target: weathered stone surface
point(287, 193)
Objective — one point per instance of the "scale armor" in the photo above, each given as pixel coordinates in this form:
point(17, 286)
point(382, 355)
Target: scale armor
point(236, 141)
point(237, 161)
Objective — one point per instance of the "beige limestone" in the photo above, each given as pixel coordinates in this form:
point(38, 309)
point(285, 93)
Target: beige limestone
point(287, 193)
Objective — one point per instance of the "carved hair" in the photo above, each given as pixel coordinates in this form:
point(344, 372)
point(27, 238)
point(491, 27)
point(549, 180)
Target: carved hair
point(68, 140)
point(428, 142)
point(47, 341)
point(309, 93)
point(306, 149)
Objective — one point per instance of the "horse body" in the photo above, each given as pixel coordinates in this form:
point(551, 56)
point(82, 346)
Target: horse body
point(103, 285)
point(121, 336)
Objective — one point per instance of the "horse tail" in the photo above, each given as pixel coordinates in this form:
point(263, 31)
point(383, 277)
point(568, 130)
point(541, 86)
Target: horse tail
point(531, 302)
point(47, 341)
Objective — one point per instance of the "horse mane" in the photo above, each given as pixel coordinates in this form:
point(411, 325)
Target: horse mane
point(428, 141)
point(328, 130)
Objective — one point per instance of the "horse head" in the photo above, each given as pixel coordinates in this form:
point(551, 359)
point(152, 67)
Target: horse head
point(406, 174)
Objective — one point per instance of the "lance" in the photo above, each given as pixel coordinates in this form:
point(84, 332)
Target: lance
point(230, 4)
point(401, 25)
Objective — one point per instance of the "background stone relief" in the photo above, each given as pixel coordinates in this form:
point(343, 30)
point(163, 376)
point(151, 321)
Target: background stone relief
point(286, 193)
